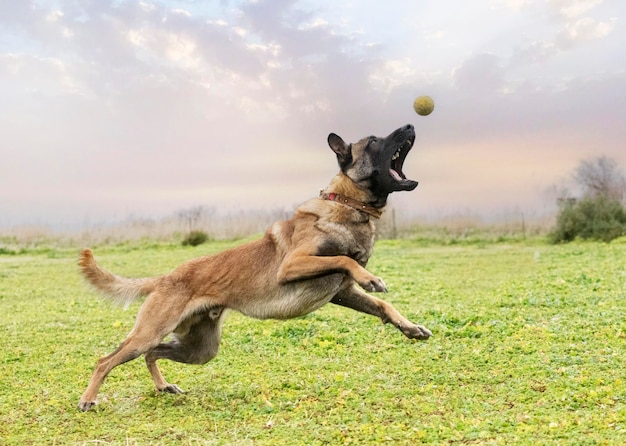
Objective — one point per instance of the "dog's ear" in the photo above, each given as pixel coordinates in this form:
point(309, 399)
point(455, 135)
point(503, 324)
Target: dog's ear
point(343, 151)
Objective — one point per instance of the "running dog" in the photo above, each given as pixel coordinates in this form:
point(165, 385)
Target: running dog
point(316, 257)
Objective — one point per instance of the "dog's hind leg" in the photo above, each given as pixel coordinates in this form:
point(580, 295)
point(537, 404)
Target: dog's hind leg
point(197, 341)
point(154, 321)
point(358, 300)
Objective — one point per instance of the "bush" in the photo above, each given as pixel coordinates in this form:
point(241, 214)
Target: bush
point(596, 218)
point(195, 238)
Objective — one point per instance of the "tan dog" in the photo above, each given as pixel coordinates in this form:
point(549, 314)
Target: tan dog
point(317, 256)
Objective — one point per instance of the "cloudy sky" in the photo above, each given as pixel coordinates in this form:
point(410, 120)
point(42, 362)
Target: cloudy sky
point(112, 108)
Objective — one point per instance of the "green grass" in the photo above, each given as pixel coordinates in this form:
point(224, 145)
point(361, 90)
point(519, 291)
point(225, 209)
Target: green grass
point(529, 348)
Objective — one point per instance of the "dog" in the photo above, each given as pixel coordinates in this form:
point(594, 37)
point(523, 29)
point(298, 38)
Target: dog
point(316, 257)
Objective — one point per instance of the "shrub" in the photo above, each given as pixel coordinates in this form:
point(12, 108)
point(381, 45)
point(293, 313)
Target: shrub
point(597, 218)
point(195, 238)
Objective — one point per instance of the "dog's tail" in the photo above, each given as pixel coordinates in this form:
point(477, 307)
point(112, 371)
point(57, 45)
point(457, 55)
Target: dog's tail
point(120, 290)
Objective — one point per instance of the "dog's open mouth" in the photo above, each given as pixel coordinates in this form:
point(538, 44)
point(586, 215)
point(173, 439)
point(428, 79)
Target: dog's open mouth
point(397, 160)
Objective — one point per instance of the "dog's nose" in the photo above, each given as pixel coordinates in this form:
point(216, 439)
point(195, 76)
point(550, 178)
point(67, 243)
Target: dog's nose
point(408, 127)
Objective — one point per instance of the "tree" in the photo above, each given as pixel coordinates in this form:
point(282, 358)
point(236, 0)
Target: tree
point(595, 218)
point(599, 214)
point(601, 177)
point(192, 217)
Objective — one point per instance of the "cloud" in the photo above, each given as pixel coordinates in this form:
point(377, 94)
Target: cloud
point(570, 9)
point(537, 52)
point(516, 5)
point(391, 74)
point(577, 29)
point(582, 31)
point(35, 75)
point(479, 74)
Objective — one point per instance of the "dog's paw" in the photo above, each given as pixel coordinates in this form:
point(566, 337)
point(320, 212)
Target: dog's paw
point(172, 388)
point(84, 406)
point(374, 284)
point(417, 332)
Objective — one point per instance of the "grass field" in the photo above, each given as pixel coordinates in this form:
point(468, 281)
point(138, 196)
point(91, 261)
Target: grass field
point(529, 347)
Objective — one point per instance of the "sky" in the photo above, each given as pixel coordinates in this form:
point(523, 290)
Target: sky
point(118, 108)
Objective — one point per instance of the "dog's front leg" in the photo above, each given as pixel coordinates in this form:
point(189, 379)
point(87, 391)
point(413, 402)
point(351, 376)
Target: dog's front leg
point(358, 300)
point(301, 266)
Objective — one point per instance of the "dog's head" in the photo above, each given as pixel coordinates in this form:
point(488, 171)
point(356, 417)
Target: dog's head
point(375, 164)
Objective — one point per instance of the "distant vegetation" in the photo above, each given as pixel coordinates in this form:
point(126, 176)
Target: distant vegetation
point(596, 218)
point(461, 229)
point(195, 238)
point(595, 210)
point(600, 213)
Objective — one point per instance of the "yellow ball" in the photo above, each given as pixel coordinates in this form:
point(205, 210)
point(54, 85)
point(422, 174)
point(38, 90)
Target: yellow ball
point(424, 105)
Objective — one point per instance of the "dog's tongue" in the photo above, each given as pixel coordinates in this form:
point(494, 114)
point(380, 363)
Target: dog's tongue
point(395, 175)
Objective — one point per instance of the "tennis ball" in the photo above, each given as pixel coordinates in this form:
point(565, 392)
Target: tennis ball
point(424, 105)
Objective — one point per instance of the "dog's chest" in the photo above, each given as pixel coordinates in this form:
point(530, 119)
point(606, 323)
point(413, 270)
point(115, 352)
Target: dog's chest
point(354, 241)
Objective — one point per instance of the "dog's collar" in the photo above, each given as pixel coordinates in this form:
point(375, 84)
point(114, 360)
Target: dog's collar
point(359, 206)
